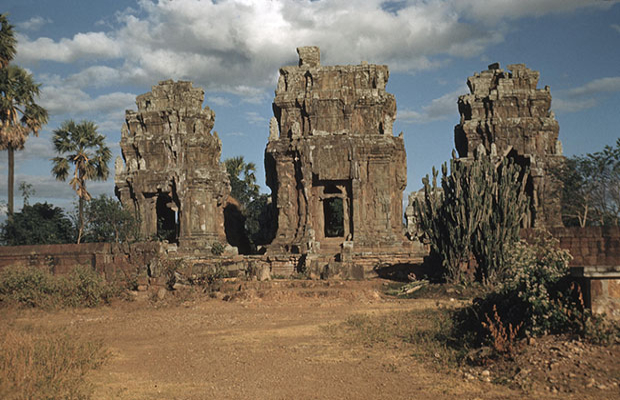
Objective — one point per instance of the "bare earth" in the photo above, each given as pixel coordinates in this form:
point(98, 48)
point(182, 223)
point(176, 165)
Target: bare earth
point(265, 343)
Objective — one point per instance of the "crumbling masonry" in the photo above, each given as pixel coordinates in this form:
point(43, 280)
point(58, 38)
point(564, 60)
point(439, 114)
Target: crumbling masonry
point(335, 169)
point(172, 177)
point(509, 116)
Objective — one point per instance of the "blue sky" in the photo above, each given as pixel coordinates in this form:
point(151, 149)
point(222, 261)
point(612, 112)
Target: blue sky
point(94, 57)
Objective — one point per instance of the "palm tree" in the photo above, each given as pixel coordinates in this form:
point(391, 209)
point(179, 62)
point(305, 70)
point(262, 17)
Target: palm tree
point(7, 42)
point(80, 145)
point(19, 115)
point(243, 188)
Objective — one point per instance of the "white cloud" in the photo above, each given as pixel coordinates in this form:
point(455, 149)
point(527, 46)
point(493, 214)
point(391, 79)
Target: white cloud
point(90, 45)
point(219, 101)
point(438, 109)
point(255, 118)
point(601, 85)
point(568, 105)
point(66, 99)
point(585, 96)
point(236, 46)
point(615, 27)
point(50, 189)
point(34, 23)
point(235, 134)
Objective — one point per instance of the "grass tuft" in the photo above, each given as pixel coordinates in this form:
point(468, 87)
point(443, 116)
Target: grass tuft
point(46, 364)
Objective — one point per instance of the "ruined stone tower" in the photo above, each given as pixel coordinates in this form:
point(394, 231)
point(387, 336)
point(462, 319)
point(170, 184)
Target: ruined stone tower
point(509, 116)
point(335, 170)
point(172, 177)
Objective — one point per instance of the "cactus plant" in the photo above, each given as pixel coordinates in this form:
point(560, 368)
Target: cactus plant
point(477, 212)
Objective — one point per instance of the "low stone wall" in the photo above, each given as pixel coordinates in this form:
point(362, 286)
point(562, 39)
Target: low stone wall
point(589, 246)
point(595, 264)
point(115, 261)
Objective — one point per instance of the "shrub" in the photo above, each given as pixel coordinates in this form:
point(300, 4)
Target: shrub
point(31, 287)
point(217, 248)
point(34, 287)
point(538, 297)
point(84, 287)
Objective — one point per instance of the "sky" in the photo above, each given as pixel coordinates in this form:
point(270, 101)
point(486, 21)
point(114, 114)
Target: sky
point(92, 58)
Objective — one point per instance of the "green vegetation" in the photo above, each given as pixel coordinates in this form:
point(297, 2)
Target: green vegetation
point(591, 188)
point(478, 211)
point(20, 115)
point(255, 207)
point(34, 287)
point(45, 364)
point(105, 220)
point(242, 178)
point(81, 146)
point(537, 297)
point(40, 223)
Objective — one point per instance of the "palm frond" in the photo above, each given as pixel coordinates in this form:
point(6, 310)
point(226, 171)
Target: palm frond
point(8, 42)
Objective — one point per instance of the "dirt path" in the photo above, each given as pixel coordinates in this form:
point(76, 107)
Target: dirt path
point(272, 347)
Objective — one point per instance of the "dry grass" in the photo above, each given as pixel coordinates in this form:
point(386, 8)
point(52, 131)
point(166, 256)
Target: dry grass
point(45, 364)
point(421, 334)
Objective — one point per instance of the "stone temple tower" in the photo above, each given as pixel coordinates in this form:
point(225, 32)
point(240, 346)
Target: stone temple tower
point(172, 177)
point(510, 117)
point(335, 169)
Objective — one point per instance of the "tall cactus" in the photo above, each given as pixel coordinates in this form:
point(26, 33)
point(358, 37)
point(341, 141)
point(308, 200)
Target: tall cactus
point(478, 212)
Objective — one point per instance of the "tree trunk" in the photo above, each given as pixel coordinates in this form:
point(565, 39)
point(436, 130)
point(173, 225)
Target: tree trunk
point(80, 219)
point(11, 178)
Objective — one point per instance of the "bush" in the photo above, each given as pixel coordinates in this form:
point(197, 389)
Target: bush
point(34, 287)
point(538, 297)
point(31, 287)
point(84, 287)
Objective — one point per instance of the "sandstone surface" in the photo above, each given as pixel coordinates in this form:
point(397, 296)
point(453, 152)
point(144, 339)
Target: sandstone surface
point(172, 177)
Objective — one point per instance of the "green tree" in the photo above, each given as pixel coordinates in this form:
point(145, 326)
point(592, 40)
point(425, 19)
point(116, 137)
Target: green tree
point(260, 218)
point(256, 208)
point(105, 220)
point(19, 113)
point(591, 188)
point(7, 42)
point(81, 146)
point(242, 178)
point(27, 192)
point(40, 223)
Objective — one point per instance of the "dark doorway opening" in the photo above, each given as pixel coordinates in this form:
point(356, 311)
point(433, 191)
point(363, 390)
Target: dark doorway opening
point(234, 227)
point(333, 210)
point(167, 221)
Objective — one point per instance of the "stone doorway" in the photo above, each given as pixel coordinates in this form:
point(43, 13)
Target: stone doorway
point(334, 215)
point(167, 218)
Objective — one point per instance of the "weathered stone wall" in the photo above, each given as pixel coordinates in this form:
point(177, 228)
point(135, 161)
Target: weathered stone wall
point(331, 138)
point(172, 177)
point(589, 246)
point(595, 264)
point(114, 261)
point(509, 116)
